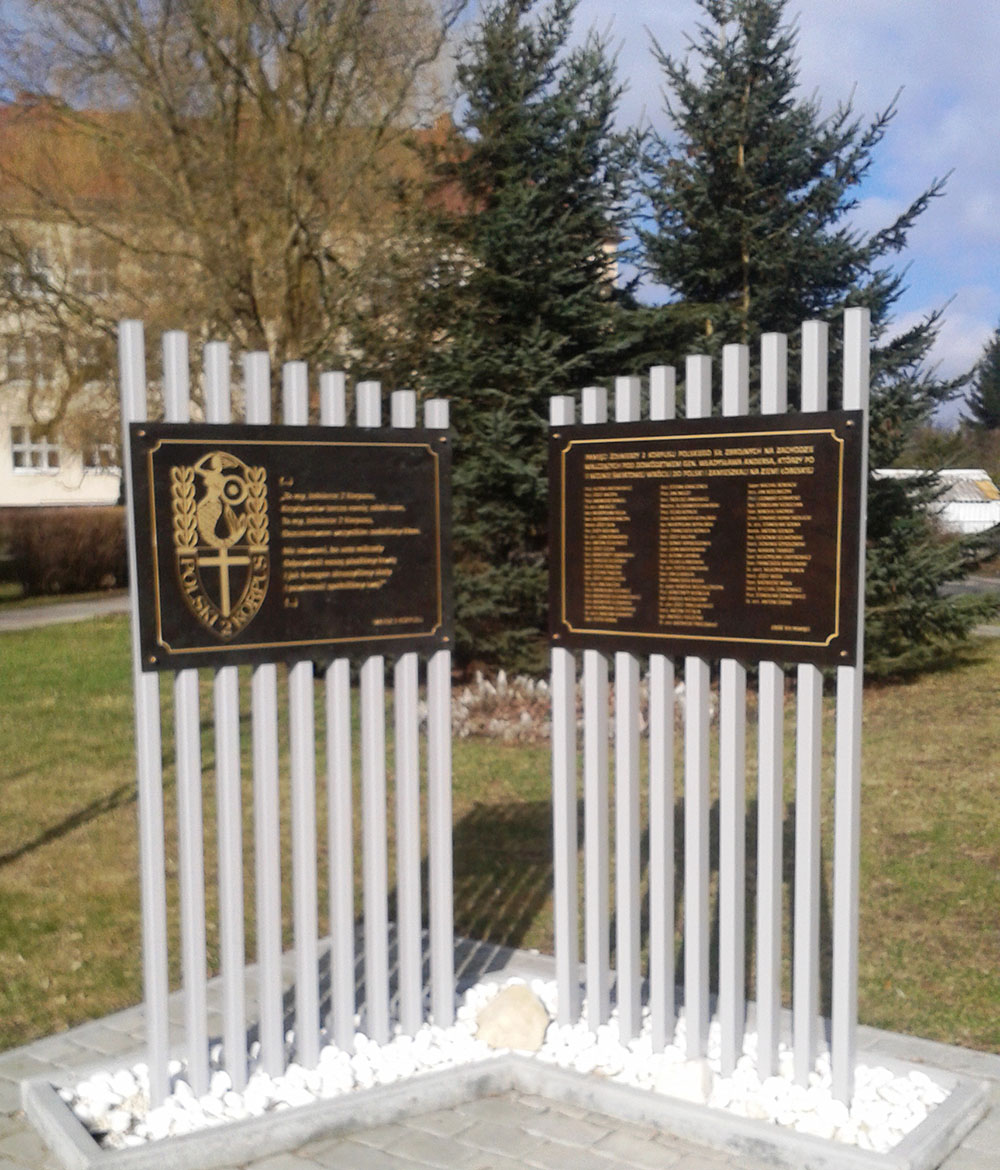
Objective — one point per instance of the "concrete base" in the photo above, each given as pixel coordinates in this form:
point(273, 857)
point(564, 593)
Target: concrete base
point(922, 1149)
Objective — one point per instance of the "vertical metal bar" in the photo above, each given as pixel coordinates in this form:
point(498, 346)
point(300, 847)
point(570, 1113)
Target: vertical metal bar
point(152, 875)
point(228, 792)
point(333, 399)
point(627, 835)
point(302, 763)
point(847, 814)
point(339, 784)
point(596, 823)
point(698, 391)
point(375, 864)
point(439, 864)
point(267, 808)
point(341, 847)
point(662, 392)
point(190, 829)
point(564, 816)
point(662, 406)
point(770, 778)
point(732, 787)
point(407, 757)
point(809, 746)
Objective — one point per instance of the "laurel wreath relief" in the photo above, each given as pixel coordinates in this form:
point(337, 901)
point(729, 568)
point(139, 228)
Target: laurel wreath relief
point(256, 510)
point(183, 508)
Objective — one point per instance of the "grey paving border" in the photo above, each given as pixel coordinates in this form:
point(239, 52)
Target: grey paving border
point(922, 1149)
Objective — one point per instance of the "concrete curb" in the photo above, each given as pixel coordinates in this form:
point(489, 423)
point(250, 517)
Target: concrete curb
point(922, 1149)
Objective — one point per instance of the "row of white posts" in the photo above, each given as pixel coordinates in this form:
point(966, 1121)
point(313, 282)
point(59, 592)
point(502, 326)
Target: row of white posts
point(299, 725)
point(597, 901)
point(264, 765)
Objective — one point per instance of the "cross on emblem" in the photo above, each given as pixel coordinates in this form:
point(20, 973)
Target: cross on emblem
point(223, 560)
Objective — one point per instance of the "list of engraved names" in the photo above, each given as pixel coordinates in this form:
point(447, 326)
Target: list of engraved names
point(729, 534)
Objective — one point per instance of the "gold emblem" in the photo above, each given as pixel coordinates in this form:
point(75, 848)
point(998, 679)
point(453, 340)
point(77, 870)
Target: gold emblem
point(221, 540)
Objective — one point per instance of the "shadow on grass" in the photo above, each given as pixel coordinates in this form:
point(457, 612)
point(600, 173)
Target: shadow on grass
point(122, 795)
point(503, 870)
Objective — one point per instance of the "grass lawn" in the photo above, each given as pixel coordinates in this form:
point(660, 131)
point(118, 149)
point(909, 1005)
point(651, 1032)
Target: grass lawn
point(69, 916)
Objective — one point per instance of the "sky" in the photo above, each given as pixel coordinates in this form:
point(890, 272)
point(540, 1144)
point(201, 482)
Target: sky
point(943, 59)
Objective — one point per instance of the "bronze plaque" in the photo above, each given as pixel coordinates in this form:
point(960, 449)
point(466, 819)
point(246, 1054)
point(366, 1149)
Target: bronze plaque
point(261, 543)
point(713, 537)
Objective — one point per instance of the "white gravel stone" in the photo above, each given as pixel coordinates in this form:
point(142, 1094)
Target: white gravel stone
point(115, 1103)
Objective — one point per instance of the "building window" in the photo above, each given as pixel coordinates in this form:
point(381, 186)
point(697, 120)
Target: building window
point(33, 450)
point(28, 279)
point(100, 457)
point(31, 359)
point(93, 269)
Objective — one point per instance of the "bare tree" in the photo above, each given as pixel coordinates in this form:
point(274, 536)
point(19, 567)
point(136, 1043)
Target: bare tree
point(240, 168)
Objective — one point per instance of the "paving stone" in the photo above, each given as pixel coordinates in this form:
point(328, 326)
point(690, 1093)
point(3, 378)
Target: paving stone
point(25, 1145)
point(487, 1160)
point(631, 1149)
point(283, 1162)
point(430, 1151)
point(555, 1156)
point(351, 1155)
point(968, 1159)
point(11, 1123)
point(428, 1148)
point(22, 1064)
point(500, 1139)
point(705, 1160)
point(571, 1131)
point(986, 1136)
point(444, 1122)
point(10, 1096)
point(503, 1110)
point(533, 1101)
point(379, 1136)
point(105, 1041)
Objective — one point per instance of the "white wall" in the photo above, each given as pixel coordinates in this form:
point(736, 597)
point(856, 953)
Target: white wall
point(70, 485)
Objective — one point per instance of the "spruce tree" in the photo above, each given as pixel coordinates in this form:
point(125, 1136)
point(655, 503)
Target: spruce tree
point(537, 183)
point(984, 395)
point(749, 227)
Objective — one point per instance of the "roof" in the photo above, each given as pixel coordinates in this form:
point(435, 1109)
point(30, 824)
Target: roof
point(961, 485)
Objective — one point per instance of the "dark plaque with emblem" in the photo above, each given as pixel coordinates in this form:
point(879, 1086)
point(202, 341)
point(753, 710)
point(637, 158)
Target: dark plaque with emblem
point(263, 543)
point(711, 537)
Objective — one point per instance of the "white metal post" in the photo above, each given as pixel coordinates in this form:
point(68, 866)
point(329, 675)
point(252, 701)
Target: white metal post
point(375, 863)
point(627, 836)
point(662, 406)
point(596, 825)
point(302, 764)
point(407, 757)
point(439, 818)
point(698, 390)
point(809, 746)
point(187, 743)
point(770, 779)
point(153, 892)
point(732, 787)
point(564, 816)
point(339, 785)
point(847, 815)
point(267, 808)
point(229, 803)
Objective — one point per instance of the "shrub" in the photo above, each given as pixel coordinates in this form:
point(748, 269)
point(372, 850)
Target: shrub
point(66, 550)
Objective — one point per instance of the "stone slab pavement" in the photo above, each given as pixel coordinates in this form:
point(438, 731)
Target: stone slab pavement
point(26, 617)
point(514, 1129)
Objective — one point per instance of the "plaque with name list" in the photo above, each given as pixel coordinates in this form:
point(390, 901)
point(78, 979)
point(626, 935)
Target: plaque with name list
point(269, 543)
point(722, 537)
